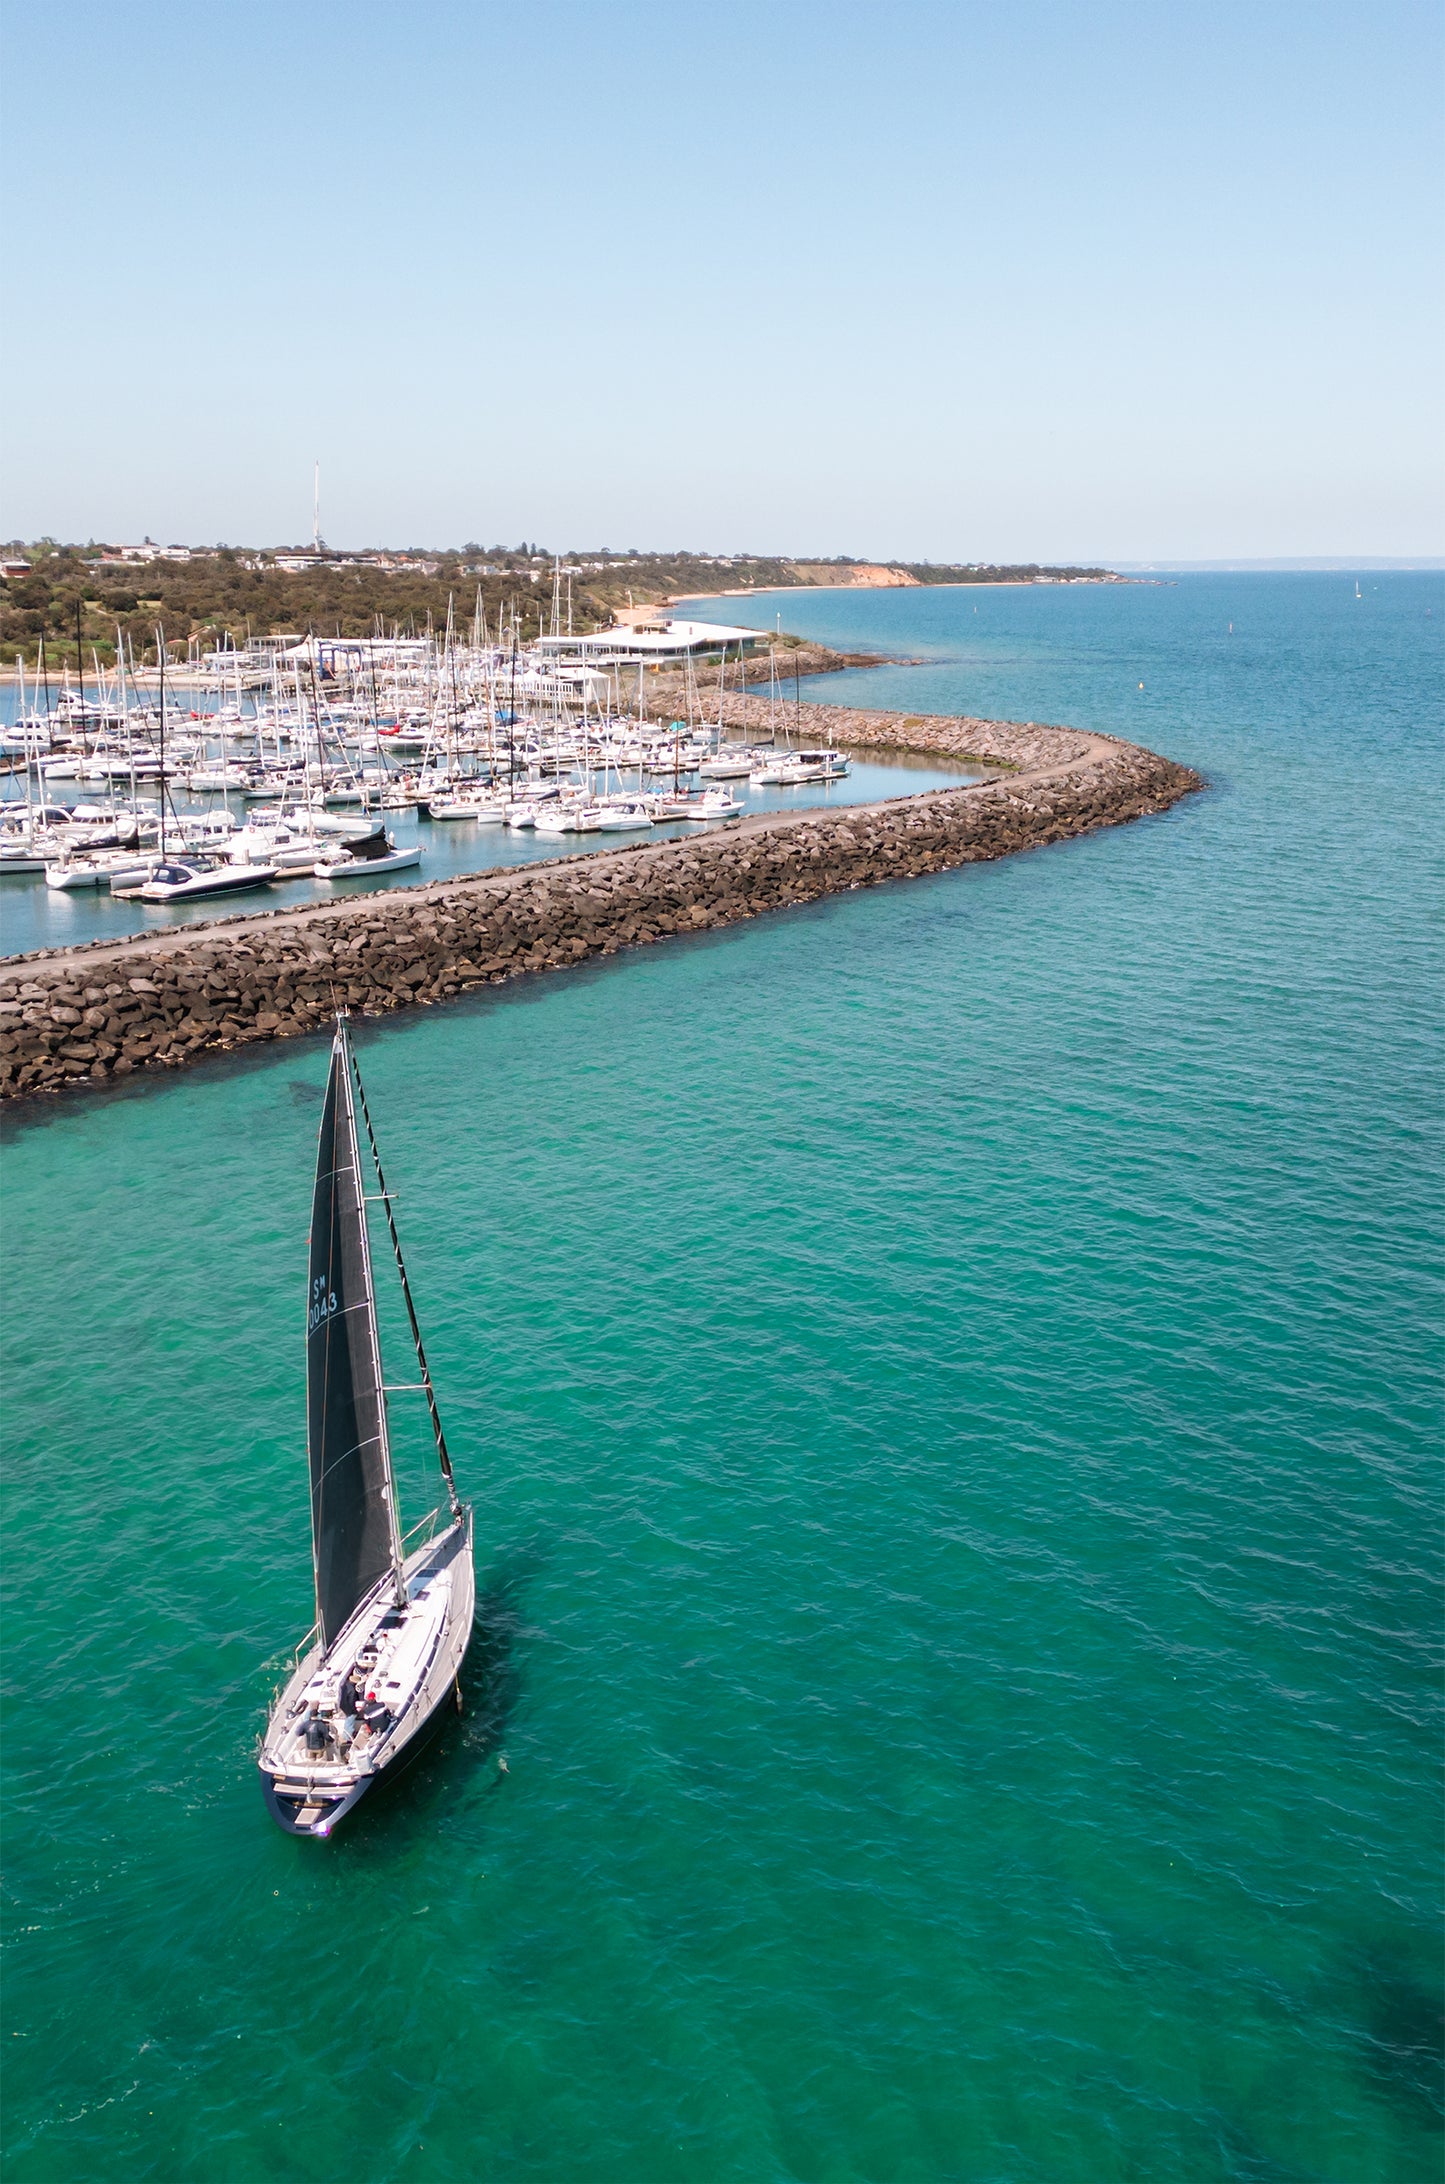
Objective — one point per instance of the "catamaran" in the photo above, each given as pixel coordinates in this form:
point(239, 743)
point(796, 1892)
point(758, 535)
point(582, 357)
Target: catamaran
point(393, 1618)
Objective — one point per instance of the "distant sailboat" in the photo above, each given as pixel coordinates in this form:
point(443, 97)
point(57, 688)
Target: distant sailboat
point(391, 1627)
point(1358, 593)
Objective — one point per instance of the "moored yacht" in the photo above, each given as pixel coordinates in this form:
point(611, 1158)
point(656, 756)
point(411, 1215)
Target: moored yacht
point(350, 864)
point(290, 848)
point(178, 879)
point(567, 816)
point(71, 872)
point(483, 805)
point(622, 815)
point(714, 804)
point(782, 772)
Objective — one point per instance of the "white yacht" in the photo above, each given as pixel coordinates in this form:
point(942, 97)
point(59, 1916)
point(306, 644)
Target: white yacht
point(567, 817)
point(782, 772)
point(714, 804)
point(186, 879)
point(295, 849)
point(483, 805)
point(350, 864)
point(392, 1627)
point(622, 815)
point(81, 870)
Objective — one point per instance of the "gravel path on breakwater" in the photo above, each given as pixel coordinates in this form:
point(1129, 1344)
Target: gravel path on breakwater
point(86, 1016)
point(1012, 744)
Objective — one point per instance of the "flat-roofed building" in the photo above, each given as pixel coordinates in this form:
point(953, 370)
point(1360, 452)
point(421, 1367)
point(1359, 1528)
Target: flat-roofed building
point(652, 640)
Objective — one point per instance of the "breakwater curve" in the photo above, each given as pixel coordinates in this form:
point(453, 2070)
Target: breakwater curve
point(90, 1015)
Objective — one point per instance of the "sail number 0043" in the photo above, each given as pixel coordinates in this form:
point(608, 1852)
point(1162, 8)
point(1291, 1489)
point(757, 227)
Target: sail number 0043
point(323, 1304)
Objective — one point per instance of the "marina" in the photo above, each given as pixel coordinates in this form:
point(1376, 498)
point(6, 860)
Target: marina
point(79, 1017)
point(377, 765)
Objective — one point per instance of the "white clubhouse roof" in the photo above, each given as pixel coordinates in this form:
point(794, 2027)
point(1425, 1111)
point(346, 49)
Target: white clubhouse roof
point(654, 639)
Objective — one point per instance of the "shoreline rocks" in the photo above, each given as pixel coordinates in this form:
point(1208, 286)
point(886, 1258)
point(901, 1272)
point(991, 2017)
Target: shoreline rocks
point(95, 1014)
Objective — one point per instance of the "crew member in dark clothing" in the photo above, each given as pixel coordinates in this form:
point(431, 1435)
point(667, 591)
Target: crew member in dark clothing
point(348, 1705)
point(318, 1735)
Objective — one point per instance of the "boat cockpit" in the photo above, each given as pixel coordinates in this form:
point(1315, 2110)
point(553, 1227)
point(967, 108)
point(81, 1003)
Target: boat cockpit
point(341, 1714)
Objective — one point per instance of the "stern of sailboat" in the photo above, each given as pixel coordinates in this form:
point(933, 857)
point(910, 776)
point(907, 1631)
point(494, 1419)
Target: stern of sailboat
point(400, 1660)
point(304, 1811)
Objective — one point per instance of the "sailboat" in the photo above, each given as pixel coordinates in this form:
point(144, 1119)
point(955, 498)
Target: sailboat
point(393, 1619)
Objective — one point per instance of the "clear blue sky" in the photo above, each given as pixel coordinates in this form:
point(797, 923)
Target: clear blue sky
point(949, 281)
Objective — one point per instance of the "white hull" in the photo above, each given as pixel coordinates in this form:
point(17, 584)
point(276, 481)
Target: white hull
point(410, 1657)
point(222, 880)
point(489, 812)
point(362, 868)
point(69, 877)
point(127, 878)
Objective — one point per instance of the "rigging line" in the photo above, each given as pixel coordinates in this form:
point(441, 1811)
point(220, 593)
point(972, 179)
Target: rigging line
point(431, 1402)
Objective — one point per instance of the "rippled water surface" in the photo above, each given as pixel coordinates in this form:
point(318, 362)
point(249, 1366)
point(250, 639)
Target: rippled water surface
point(947, 1381)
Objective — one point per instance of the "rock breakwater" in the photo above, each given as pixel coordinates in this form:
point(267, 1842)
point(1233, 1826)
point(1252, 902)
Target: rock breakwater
point(90, 1015)
point(1015, 745)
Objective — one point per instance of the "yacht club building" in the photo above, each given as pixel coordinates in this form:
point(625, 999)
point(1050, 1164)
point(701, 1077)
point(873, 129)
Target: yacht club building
point(653, 640)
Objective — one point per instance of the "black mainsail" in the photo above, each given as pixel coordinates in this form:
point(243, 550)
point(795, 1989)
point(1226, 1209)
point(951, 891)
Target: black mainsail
point(354, 1531)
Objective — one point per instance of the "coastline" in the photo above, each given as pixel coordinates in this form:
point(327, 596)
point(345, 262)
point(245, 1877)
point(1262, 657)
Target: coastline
point(97, 1013)
point(983, 583)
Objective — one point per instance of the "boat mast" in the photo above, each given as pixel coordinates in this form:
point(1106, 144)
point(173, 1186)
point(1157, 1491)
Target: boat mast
point(161, 663)
point(443, 1457)
point(80, 673)
point(49, 724)
point(25, 735)
point(392, 1517)
point(120, 644)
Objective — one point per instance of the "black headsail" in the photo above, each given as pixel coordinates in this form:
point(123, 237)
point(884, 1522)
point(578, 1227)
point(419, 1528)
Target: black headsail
point(354, 1528)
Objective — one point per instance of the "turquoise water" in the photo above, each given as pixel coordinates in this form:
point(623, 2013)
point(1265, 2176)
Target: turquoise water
point(948, 1381)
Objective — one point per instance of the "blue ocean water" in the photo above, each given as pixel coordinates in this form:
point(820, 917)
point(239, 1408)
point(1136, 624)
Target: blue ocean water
point(949, 1382)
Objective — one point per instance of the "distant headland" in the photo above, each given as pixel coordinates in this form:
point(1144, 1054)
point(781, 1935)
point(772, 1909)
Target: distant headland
point(78, 599)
